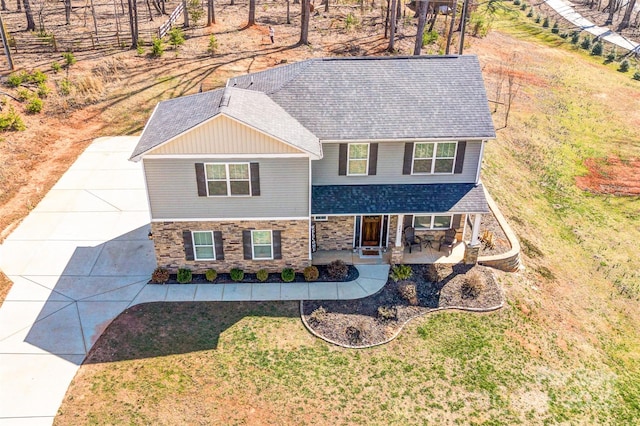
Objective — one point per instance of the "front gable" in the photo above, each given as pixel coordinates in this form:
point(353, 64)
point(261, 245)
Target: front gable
point(223, 135)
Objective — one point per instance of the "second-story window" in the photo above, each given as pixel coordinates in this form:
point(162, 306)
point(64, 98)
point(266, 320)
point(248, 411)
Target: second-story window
point(228, 179)
point(358, 159)
point(433, 157)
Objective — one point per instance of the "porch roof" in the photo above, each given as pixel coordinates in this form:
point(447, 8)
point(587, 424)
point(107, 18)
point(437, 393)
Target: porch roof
point(392, 199)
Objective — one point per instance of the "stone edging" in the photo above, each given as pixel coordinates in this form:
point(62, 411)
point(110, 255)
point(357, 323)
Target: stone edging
point(509, 261)
point(397, 333)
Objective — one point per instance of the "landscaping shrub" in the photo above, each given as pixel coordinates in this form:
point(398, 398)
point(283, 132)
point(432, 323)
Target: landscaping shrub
point(530, 13)
point(318, 316)
point(354, 335)
point(575, 37)
point(56, 67)
point(434, 274)
point(11, 120)
point(636, 75)
point(516, 2)
point(523, 7)
point(14, 79)
point(538, 19)
point(545, 23)
point(237, 274)
point(65, 86)
point(157, 49)
point(262, 275)
point(160, 276)
point(586, 43)
point(176, 37)
point(611, 56)
point(387, 313)
point(34, 106)
point(596, 50)
point(487, 239)
point(69, 59)
point(211, 275)
point(401, 272)
point(429, 37)
point(311, 273)
point(408, 291)
point(43, 90)
point(564, 35)
point(36, 77)
point(23, 94)
point(184, 275)
point(213, 44)
point(473, 285)
point(288, 275)
point(337, 270)
point(555, 29)
point(624, 66)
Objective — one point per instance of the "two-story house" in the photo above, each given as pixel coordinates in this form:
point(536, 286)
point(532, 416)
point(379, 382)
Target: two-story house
point(324, 154)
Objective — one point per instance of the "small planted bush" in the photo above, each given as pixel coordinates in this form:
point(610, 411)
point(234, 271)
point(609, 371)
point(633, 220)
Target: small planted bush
point(43, 90)
point(176, 37)
point(597, 48)
point(538, 19)
point(337, 270)
point(586, 43)
point(434, 274)
point(636, 75)
point(237, 274)
point(401, 272)
point(311, 273)
point(213, 45)
point(34, 106)
point(160, 276)
point(65, 86)
point(157, 48)
point(387, 313)
point(545, 22)
point(523, 7)
point(184, 275)
point(15, 79)
point(555, 29)
point(288, 275)
point(11, 121)
point(354, 335)
point(472, 286)
point(611, 56)
point(575, 37)
point(262, 275)
point(211, 275)
point(530, 13)
point(318, 316)
point(408, 291)
point(516, 2)
point(564, 35)
point(56, 67)
point(624, 66)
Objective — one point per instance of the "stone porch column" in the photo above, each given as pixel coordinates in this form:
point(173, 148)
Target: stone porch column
point(397, 251)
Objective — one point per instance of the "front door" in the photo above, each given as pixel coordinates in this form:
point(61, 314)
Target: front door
point(371, 226)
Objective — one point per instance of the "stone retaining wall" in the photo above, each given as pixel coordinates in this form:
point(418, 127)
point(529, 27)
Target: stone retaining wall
point(170, 253)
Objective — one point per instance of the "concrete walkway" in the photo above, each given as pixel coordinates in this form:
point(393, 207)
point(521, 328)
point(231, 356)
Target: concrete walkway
point(78, 260)
point(564, 9)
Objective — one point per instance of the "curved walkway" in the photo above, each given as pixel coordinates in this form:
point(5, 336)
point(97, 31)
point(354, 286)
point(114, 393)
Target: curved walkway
point(78, 260)
point(565, 10)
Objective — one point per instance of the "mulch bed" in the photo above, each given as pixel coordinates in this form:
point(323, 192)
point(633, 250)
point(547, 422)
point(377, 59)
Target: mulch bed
point(356, 323)
point(488, 222)
point(274, 277)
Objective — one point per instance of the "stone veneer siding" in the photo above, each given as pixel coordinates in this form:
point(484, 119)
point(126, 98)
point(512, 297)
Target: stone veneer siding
point(335, 234)
point(170, 254)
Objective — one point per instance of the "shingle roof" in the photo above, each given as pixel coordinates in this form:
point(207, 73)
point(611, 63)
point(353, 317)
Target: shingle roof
point(440, 97)
point(388, 199)
point(381, 98)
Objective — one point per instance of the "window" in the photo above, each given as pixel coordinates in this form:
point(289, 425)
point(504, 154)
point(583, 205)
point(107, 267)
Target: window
point(358, 159)
point(228, 179)
point(432, 222)
point(261, 243)
point(203, 246)
point(434, 157)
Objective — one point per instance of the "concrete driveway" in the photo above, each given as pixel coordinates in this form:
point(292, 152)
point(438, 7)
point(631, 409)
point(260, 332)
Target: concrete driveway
point(77, 261)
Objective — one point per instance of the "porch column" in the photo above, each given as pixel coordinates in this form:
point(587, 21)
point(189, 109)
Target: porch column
point(397, 251)
point(475, 230)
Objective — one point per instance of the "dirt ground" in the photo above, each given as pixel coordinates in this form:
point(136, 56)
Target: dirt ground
point(611, 176)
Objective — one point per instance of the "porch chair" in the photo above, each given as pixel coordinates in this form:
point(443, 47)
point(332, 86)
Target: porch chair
point(448, 240)
point(411, 239)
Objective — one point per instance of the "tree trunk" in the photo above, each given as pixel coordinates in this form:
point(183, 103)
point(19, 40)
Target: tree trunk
point(392, 32)
point(252, 12)
point(4, 4)
point(67, 11)
point(185, 12)
point(304, 22)
point(627, 15)
point(95, 22)
point(288, 12)
point(463, 25)
point(386, 21)
point(433, 21)
point(421, 7)
point(326, 5)
point(149, 10)
point(133, 23)
point(19, 5)
point(31, 25)
point(211, 13)
point(612, 7)
point(453, 20)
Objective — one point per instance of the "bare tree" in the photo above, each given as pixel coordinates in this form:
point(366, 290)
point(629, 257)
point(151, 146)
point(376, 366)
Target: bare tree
point(450, 34)
point(612, 8)
point(252, 12)
point(627, 15)
point(31, 25)
point(3, 4)
point(133, 22)
point(185, 12)
point(392, 32)
point(211, 12)
point(304, 22)
point(67, 11)
point(288, 12)
point(19, 5)
point(421, 7)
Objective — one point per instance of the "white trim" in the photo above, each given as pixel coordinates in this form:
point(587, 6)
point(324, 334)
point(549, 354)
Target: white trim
point(146, 188)
point(366, 167)
point(465, 138)
point(213, 245)
point(434, 158)
point(395, 213)
point(320, 217)
point(221, 156)
point(480, 162)
point(139, 156)
point(227, 219)
point(379, 231)
point(464, 228)
point(253, 252)
point(399, 226)
point(309, 211)
point(475, 230)
point(433, 218)
point(386, 243)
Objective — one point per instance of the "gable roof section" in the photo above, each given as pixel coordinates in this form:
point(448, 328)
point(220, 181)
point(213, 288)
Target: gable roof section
point(393, 199)
point(381, 98)
point(176, 116)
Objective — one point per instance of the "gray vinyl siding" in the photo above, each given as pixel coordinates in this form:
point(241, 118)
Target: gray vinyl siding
point(389, 170)
point(173, 193)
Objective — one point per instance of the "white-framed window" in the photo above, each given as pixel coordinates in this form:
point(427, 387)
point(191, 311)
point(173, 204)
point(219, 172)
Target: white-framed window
point(358, 159)
point(433, 157)
point(432, 221)
point(228, 179)
point(262, 244)
point(203, 245)
point(320, 218)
